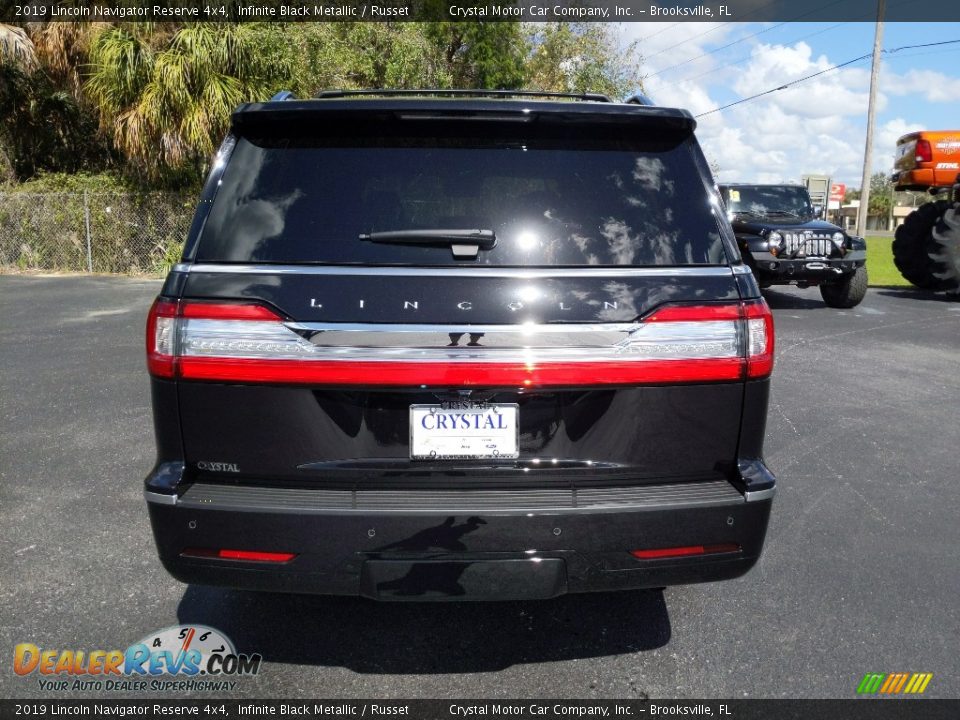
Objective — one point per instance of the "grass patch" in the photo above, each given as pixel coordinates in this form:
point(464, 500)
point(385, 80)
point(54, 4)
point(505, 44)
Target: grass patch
point(880, 267)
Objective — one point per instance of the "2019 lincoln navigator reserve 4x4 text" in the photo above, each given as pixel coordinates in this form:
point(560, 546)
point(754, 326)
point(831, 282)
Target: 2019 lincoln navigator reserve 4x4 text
point(459, 346)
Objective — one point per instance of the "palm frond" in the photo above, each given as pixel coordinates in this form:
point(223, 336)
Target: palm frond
point(16, 48)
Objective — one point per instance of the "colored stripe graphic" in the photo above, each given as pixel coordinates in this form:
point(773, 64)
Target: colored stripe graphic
point(894, 683)
point(871, 683)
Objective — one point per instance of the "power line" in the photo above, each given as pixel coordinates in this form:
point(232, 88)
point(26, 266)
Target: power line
point(736, 42)
point(749, 57)
point(924, 45)
point(661, 30)
point(823, 72)
point(682, 42)
point(711, 52)
point(705, 32)
point(785, 86)
point(710, 30)
point(922, 54)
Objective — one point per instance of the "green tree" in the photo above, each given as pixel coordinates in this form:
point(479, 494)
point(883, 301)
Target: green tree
point(387, 55)
point(881, 195)
point(154, 99)
point(582, 57)
point(489, 55)
point(43, 128)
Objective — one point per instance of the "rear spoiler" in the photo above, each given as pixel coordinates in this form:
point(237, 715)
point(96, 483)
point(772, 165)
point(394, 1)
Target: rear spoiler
point(297, 112)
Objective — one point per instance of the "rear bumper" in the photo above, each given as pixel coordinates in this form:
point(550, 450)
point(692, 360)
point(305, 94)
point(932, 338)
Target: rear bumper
point(925, 177)
point(460, 545)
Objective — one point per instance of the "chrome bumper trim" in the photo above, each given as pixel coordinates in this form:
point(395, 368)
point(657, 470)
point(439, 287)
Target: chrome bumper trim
point(159, 498)
point(758, 495)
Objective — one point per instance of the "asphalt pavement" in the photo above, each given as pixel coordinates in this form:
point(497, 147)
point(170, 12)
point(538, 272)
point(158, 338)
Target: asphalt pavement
point(860, 572)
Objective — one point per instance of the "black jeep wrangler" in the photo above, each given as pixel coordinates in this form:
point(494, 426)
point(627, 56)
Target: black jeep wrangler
point(784, 241)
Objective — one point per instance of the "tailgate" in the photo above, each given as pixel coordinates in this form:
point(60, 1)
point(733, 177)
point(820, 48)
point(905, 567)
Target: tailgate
point(605, 392)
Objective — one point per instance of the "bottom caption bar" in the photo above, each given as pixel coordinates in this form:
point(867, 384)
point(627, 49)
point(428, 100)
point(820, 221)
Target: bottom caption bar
point(854, 709)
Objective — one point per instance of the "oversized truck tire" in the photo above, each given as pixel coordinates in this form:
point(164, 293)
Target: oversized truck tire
point(916, 252)
point(946, 235)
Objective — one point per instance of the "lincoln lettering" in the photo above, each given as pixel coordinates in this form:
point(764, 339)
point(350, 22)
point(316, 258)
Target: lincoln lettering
point(514, 305)
point(463, 421)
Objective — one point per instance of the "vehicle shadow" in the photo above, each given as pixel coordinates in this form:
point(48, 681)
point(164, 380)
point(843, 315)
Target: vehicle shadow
point(811, 300)
point(412, 638)
point(915, 294)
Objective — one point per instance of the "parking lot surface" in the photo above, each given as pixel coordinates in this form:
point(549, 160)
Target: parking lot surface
point(860, 572)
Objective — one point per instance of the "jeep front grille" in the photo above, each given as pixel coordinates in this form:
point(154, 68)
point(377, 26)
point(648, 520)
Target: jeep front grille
point(804, 245)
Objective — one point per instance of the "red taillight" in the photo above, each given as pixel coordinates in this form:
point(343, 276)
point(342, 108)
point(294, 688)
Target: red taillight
point(685, 551)
point(161, 338)
point(163, 327)
point(757, 327)
point(924, 152)
point(227, 311)
point(249, 343)
point(539, 375)
point(248, 555)
point(695, 313)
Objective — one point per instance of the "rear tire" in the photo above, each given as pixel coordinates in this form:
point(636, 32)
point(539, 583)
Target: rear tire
point(913, 244)
point(847, 293)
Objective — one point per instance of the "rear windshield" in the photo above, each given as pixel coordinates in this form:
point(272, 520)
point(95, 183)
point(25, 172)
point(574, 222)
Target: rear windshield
point(304, 199)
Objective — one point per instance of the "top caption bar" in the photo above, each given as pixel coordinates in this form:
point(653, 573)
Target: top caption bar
point(445, 10)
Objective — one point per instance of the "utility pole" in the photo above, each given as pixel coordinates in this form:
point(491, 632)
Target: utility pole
point(871, 110)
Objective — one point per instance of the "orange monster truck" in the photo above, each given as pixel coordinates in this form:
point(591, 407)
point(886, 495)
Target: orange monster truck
point(926, 248)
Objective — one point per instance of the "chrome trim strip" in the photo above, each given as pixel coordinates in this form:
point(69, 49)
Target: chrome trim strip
point(159, 498)
point(458, 271)
point(201, 337)
point(465, 328)
point(758, 495)
point(742, 270)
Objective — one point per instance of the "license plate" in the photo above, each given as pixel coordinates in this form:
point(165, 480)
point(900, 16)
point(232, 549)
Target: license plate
point(478, 432)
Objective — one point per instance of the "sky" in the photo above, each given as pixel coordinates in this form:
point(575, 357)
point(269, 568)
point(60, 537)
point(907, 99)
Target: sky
point(815, 127)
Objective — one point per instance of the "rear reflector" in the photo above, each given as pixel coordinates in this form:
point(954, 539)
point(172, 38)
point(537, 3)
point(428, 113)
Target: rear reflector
point(248, 555)
point(249, 343)
point(685, 551)
point(759, 338)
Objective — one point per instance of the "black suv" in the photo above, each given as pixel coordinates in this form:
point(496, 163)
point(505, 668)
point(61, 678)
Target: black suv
point(784, 242)
point(459, 345)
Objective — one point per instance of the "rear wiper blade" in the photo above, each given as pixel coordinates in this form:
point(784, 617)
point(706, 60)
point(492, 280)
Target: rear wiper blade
point(465, 243)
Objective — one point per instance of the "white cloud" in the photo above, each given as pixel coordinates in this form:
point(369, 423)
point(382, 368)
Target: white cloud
point(816, 127)
point(836, 92)
point(932, 85)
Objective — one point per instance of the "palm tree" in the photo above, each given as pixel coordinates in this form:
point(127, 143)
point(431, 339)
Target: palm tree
point(167, 100)
point(63, 48)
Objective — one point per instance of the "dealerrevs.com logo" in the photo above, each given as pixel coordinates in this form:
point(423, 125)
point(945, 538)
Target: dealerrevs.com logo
point(179, 658)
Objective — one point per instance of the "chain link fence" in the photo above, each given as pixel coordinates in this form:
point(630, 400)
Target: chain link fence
point(115, 232)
